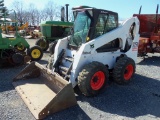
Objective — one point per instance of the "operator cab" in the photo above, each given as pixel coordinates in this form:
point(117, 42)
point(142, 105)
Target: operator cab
point(91, 23)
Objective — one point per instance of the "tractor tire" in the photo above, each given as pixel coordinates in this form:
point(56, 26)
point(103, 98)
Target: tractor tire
point(50, 62)
point(35, 53)
point(44, 44)
point(93, 78)
point(52, 47)
point(17, 59)
point(123, 70)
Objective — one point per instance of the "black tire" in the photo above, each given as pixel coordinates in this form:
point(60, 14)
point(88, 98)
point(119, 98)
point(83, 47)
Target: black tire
point(17, 59)
point(52, 47)
point(50, 62)
point(90, 84)
point(35, 53)
point(44, 44)
point(124, 70)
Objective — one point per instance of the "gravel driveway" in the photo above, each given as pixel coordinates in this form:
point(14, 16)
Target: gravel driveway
point(138, 100)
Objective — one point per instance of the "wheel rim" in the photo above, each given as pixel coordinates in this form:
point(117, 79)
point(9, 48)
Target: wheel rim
point(43, 44)
point(97, 80)
point(128, 72)
point(36, 53)
point(21, 47)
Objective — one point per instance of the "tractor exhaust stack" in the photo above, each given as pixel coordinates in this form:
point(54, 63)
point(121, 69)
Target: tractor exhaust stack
point(62, 14)
point(42, 91)
point(67, 12)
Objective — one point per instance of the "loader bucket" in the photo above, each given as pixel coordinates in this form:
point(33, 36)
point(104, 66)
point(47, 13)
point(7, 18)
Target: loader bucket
point(42, 91)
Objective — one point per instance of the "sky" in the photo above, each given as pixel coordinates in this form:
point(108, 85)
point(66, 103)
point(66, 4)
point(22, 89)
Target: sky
point(125, 8)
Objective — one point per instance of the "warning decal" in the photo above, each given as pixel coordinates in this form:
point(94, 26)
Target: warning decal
point(135, 46)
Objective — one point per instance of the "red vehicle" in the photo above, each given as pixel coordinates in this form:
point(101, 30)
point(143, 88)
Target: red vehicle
point(149, 41)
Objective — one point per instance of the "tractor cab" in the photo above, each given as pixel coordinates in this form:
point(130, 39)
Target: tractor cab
point(91, 23)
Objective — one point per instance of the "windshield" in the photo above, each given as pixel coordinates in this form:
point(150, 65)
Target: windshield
point(80, 29)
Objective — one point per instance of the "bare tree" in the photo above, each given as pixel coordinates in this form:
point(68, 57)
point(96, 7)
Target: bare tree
point(26, 17)
point(32, 17)
point(70, 16)
point(19, 8)
point(51, 10)
point(38, 17)
point(44, 14)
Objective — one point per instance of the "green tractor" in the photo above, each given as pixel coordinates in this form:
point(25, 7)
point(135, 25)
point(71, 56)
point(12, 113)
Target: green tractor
point(13, 50)
point(54, 30)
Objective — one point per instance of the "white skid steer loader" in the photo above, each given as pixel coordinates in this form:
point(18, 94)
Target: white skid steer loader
point(96, 47)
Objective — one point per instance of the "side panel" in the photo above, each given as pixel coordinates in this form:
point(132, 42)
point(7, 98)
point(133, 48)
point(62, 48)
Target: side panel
point(148, 22)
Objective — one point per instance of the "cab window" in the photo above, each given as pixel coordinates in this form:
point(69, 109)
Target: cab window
point(111, 23)
point(105, 23)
